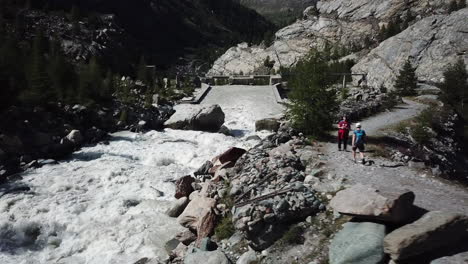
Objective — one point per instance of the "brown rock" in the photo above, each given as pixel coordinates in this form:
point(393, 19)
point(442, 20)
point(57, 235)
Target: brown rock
point(196, 210)
point(368, 203)
point(433, 231)
point(206, 226)
point(184, 186)
point(231, 155)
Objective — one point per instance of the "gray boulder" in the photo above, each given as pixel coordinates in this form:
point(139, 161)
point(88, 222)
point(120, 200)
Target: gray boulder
point(365, 202)
point(206, 257)
point(269, 124)
point(178, 207)
point(358, 243)
point(433, 231)
point(191, 117)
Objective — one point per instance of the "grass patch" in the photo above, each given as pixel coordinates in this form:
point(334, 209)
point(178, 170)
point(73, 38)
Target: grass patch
point(225, 228)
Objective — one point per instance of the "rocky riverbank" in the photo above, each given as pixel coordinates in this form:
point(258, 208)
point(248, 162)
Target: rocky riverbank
point(279, 203)
point(35, 136)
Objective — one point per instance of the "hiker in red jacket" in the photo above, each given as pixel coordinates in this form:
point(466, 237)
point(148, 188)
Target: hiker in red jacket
point(343, 132)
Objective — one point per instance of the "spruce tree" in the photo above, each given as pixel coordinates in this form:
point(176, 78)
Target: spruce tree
point(312, 103)
point(406, 82)
point(455, 85)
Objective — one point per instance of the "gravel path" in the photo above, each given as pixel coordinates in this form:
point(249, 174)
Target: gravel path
point(431, 193)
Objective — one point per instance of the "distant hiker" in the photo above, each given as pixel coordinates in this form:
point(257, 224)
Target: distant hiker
point(359, 139)
point(343, 133)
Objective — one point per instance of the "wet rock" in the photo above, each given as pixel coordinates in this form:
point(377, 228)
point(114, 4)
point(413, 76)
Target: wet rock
point(207, 245)
point(178, 207)
point(368, 203)
point(432, 231)
point(268, 124)
point(358, 243)
point(204, 169)
point(206, 257)
point(184, 187)
point(196, 210)
point(171, 245)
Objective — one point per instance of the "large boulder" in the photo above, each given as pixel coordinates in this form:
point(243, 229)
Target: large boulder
point(358, 243)
point(366, 202)
point(431, 44)
point(206, 257)
point(196, 210)
point(432, 231)
point(230, 155)
point(269, 124)
point(195, 117)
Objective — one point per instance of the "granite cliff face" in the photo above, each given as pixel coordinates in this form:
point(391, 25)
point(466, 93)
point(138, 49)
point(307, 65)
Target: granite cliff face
point(433, 39)
point(431, 44)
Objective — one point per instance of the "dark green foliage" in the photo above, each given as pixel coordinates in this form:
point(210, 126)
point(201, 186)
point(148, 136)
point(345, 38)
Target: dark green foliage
point(269, 63)
point(75, 13)
point(406, 82)
point(294, 236)
point(453, 6)
point(455, 86)
point(225, 228)
point(142, 72)
point(312, 102)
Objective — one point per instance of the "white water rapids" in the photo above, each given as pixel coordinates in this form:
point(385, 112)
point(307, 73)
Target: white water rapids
point(106, 203)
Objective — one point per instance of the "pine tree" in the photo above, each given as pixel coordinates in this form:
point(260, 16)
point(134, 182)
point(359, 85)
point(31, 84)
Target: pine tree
point(108, 86)
point(312, 104)
point(455, 85)
point(406, 82)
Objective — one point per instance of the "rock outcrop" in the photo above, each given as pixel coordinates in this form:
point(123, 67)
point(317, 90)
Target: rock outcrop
point(350, 24)
point(431, 44)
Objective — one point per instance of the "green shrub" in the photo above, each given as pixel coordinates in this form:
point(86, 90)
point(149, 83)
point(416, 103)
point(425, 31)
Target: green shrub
point(225, 228)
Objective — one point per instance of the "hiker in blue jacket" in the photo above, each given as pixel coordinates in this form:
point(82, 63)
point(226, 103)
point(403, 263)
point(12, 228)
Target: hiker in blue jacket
point(359, 139)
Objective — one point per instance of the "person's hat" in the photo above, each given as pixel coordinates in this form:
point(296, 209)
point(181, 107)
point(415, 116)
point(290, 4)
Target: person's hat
point(358, 125)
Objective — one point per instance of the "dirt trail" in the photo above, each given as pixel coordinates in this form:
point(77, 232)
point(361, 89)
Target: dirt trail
point(431, 193)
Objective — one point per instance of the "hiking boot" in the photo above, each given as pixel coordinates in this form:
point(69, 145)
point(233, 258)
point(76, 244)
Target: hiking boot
point(363, 161)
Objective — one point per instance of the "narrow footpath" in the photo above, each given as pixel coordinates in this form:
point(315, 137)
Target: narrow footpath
point(431, 193)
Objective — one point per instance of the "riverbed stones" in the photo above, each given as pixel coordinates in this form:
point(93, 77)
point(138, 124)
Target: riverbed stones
point(358, 243)
point(432, 231)
point(178, 207)
point(206, 257)
point(203, 118)
point(196, 210)
point(366, 202)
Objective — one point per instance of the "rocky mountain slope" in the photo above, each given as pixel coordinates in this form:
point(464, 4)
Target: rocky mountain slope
point(162, 30)
point(355, 26)
point(280, 12)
